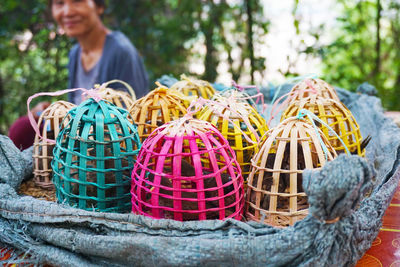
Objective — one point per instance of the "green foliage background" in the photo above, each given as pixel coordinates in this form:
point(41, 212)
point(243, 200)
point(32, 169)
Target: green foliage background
point(165, 32)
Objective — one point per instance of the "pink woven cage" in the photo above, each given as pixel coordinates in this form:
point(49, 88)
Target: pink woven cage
point(186, 170)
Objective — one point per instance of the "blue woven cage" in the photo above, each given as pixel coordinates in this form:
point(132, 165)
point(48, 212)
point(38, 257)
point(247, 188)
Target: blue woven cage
point(94, 156)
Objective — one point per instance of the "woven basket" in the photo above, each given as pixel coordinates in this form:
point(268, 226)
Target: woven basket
point(239, 96)
point(337, 116)
point(187, 171)
point(194, 87)
point(52, 120)
point(223, 114)
point(94, 156)
point(322, 88)
point(119, 98)
point(156, 108)
point(275, 193)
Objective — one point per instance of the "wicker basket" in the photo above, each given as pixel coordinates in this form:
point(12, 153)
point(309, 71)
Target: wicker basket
point(94, 156)
point(275, 193)
point(320, 87)
point(193, 87)
point(119, 98)
point(187, 171)
point(156, 108)
point(234, 120)
point(239, 96)
point(337, 116)
point(52, 120)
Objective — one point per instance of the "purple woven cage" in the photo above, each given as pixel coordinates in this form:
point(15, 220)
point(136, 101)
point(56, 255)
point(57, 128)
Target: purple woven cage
point(186, 170)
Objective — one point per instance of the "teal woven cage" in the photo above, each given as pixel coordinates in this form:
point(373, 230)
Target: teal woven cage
point(94, 156)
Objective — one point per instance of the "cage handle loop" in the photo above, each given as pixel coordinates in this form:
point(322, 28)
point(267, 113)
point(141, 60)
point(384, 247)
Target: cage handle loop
point(91, 92)
point(104, 85)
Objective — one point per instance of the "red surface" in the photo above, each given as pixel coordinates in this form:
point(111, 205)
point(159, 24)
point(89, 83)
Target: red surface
point(385, 250)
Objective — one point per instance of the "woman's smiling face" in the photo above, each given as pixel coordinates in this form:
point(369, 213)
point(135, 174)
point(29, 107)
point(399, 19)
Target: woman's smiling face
point(76, 17)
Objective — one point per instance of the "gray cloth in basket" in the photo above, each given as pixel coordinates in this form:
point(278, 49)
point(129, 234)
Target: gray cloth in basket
point(64, 236)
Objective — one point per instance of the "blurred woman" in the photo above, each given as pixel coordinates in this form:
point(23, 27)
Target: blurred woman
point(100, 54)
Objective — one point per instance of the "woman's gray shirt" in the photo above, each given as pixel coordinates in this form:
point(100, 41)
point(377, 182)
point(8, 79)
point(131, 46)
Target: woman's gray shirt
point(120, 60)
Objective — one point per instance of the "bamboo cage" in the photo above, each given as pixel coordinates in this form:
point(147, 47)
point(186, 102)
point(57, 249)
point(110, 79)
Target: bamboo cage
point(51, 119)
point(119, 98)
point(194, 87)
point(275, 194)
point(239, 96)
point(94, 156)
point(235, 120)
point(156, 108)
point(337, 116)
point(185, 171)
point(322, 88)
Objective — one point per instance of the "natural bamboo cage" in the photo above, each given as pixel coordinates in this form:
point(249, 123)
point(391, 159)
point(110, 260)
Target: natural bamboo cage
point(156, 108)
point(194, 87)
point(51, 120)
point(320, 87)
point(94, 156)
point(186, 170)
point(237, 122)
point(275, 194)
point(239, 96)
point(337, 116)
point(119, 98)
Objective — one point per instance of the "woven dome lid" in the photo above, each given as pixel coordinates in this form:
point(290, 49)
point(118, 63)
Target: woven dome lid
point(156, 108)
point(51, 119)
point(120, 98)
point(238, 96)
point(310, 87)
point(194, 87)
point(240, 124)
point(57, 109)
point(337, 116)
point(94, 156)
point(275, 194)
point(178, 174)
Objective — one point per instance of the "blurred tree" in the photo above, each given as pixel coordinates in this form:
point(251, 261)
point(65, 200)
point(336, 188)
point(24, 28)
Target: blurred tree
point(32, 56)
point(365, 48)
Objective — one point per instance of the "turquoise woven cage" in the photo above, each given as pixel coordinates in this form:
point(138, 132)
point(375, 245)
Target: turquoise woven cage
point(94, 156)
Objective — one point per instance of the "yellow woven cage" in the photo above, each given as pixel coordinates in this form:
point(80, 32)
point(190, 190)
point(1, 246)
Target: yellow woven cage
point(119, 98)
point(51, 119)
point(306, 87)
point(194, 87)
point(159, 106)
point(225, 112)
point(275, 194)
point(337, 116)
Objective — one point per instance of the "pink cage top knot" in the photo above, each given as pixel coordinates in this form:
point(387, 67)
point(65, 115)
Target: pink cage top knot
point(186, 170)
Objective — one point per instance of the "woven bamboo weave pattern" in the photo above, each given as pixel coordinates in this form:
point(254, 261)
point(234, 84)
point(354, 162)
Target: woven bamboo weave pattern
point(239, 96)
point(171, 181)
point(234, 119)
point(275, 194)
point(194, 87)
point(94, 156)
point(156, 108)
point(119, 98)
point(52, 120)
point(337, 116)
point(321, 88)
